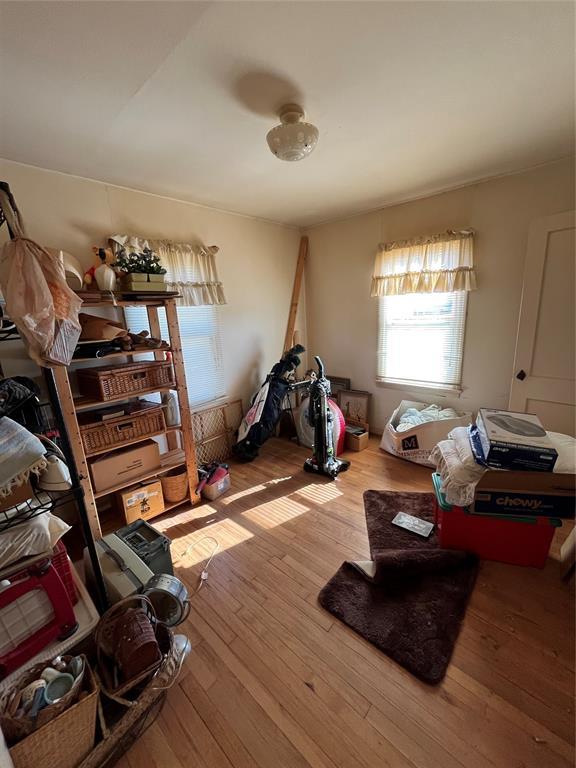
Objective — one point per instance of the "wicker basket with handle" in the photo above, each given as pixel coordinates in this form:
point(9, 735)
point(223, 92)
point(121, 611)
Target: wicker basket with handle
point(140, 711)
point(100, 435)
point(105, 639)
point(127, 379)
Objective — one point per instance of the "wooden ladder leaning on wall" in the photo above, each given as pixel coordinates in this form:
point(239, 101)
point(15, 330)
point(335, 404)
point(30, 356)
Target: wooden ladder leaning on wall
point(289, 339)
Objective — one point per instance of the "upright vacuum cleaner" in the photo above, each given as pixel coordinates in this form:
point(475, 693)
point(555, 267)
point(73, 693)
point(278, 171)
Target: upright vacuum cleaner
point(267, 405)
point(324, 460)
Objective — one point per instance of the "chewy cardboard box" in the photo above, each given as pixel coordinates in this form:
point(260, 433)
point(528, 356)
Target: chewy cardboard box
point(539, 494)
point(515, 441)
point(142, 501)
point(116, 467)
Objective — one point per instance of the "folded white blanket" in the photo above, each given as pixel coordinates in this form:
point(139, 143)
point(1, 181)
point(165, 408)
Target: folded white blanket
point(21, 453)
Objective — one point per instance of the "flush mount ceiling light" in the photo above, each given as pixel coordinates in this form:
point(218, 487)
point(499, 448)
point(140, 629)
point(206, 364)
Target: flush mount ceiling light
point(292, 139)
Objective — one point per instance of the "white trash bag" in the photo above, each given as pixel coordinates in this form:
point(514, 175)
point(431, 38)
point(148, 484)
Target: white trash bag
point(38, 300)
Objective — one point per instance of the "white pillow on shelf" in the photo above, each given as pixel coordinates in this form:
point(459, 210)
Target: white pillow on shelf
point(33, 537)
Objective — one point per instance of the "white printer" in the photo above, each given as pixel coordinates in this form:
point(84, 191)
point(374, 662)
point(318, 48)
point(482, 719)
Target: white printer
point(124, 572)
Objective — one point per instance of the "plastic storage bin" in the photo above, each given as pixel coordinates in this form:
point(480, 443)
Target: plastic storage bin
point(504, 538)
point(150, 545)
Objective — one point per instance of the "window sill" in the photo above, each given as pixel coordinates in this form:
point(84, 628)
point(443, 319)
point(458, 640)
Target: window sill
point(448, 390)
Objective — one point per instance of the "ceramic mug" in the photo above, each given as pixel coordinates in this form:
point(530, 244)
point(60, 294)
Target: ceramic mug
point(58, 687)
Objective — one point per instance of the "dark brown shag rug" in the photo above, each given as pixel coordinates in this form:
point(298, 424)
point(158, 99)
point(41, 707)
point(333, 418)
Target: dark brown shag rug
point(413, 607)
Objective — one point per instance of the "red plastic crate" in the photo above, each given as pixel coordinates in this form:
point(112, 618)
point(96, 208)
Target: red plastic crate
point(506, 539)
point(61, 564)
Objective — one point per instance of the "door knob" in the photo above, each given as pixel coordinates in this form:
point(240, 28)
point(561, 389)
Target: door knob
point(521, 374)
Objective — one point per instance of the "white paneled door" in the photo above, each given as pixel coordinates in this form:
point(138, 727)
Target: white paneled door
point(544, 373)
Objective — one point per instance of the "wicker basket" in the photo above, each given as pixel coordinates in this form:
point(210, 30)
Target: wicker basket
point(17, 728)
point(114, 433)
point(67, 739)
point(105, 642)
point(127, 379)
point(175, 485)
point(140, 711)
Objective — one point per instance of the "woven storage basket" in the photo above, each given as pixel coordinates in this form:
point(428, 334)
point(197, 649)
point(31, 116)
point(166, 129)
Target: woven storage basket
point(125, 429)
point(141, 710)
point(67, 739)
point(17, 728)
point(127, 379)
point(175, 485)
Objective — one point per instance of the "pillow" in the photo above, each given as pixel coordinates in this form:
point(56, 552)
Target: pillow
point(566, 447)
point(41, 534)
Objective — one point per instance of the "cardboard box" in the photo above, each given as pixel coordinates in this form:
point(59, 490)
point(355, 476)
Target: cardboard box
point(355, 441)
point(124, 465)
point(213, 490)
point(537, 494)
point(19, 495)
point(417, 443)
point(515, 441)
point(142, 502)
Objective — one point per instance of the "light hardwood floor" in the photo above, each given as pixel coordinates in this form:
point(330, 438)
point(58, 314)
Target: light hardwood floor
point(275, 682)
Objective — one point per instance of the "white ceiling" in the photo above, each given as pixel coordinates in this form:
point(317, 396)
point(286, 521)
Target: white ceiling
point(176, 98)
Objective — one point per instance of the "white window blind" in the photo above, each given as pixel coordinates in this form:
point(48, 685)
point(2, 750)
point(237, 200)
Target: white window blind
point(201, 344)
point(421, 339)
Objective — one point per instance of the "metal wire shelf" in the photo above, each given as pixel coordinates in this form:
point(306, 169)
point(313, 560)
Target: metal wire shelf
point(38, 503)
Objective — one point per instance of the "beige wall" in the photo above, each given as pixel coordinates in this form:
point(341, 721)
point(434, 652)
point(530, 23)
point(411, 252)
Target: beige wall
point(342, 318)
point(256, 261)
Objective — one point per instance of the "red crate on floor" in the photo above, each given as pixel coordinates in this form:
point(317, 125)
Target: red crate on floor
point(504, 538)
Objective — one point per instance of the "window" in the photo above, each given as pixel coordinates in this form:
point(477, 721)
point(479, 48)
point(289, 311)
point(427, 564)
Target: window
point(201, 338)
point(422, 287)
point(421, 339)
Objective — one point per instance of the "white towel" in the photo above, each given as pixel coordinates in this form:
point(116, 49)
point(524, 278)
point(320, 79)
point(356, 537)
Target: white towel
point(461, 438)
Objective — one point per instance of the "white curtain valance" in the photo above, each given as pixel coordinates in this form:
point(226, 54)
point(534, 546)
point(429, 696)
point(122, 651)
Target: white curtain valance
point(435, 264)
point(190, 269)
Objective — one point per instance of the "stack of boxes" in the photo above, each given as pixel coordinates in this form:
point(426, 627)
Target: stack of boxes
point(515, 512)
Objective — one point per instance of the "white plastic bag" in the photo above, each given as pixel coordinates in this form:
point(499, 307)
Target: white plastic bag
point(417, 443)
point(38, 300)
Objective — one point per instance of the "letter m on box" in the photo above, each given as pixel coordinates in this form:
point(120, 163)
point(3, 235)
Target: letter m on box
point(410, 443)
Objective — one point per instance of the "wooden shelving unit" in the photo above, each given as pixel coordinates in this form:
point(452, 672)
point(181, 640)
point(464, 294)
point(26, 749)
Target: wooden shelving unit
point(177, 455)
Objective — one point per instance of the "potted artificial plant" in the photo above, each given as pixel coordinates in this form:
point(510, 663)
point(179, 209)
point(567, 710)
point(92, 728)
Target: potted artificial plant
point(141, 271)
